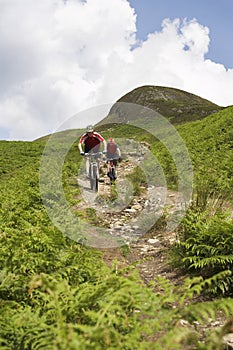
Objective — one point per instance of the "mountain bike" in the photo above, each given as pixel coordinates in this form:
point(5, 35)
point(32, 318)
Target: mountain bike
point(94, 169)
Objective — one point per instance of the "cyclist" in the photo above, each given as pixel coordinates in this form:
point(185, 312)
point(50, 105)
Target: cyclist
point(113, 154)
point(91, 141)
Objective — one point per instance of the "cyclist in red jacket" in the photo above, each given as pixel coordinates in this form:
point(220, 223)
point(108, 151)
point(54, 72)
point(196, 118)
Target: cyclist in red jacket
point(91, 141)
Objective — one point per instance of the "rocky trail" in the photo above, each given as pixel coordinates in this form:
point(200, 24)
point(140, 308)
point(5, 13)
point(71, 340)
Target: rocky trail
point(136, 220)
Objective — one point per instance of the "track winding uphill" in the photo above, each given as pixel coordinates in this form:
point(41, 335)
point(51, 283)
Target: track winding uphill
point(135, 220)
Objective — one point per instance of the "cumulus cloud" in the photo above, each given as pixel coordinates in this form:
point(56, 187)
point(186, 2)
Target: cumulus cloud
point(59, 57)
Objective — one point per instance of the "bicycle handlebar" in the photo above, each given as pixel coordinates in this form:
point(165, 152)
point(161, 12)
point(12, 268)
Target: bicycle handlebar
point(93, 154)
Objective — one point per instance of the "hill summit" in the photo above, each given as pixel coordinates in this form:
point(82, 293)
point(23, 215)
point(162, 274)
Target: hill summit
point(176, 105)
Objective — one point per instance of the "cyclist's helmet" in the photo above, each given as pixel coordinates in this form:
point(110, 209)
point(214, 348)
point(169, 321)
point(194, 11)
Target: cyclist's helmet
point(90, 128)
point(111, 140)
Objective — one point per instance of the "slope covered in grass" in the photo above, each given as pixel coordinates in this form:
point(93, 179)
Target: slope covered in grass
point(56, 293)
point(17, 154)
point(210, 144)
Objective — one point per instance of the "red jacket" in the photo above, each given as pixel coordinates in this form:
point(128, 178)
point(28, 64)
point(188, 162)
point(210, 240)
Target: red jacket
point(91, 142)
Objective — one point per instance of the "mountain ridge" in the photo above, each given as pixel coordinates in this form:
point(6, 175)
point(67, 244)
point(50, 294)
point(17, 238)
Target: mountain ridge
point(178, 106)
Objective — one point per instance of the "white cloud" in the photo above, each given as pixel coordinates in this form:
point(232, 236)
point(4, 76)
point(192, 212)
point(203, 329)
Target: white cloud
point(60, 57)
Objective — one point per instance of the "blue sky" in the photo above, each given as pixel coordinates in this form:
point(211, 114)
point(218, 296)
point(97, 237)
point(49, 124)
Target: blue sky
point(215, 14)
point(59, 58)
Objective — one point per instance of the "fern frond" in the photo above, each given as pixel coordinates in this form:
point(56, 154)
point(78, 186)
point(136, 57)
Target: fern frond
point(211, 261)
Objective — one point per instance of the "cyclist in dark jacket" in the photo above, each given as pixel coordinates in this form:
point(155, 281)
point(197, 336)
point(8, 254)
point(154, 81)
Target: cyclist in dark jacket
point(113, 153)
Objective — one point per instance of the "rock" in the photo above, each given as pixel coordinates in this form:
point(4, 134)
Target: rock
point(137, 207)
point(154, 241)
point(130, 210)
point(145, 248)
point(228, 341)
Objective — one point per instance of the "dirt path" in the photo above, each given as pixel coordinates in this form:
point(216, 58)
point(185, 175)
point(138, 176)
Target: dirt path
point(135, 219)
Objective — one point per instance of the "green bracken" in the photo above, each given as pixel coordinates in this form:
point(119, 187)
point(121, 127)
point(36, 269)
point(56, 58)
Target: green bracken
point(58, 294)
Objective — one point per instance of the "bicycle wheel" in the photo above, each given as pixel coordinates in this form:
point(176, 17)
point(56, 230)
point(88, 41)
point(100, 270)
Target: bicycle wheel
point(91, 177)
point(95, 179)
point(112, 174)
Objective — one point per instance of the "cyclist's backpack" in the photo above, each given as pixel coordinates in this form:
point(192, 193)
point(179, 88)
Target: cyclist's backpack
point(111, 148)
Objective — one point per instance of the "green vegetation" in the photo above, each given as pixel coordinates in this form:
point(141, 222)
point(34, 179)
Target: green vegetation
point(205, 249)
point(17, 154)
point(205, 246)
point(137, 178)
point(210, 144)
point(56, 293)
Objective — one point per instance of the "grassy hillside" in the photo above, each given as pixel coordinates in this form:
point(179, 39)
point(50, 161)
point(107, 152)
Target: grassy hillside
point(176, 105)
point(206, 243)
point(210, 144)
point(56, 293)
point(17, 154)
